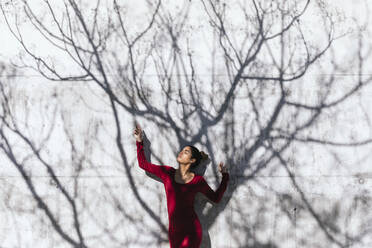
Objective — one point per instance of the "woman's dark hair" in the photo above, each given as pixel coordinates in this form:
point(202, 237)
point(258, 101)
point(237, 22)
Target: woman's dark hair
point(198, 155)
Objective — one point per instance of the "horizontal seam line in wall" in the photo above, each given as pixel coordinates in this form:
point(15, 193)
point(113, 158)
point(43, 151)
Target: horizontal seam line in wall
point(346, 176)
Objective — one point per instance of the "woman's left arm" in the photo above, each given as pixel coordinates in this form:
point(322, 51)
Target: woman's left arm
point(212, 195)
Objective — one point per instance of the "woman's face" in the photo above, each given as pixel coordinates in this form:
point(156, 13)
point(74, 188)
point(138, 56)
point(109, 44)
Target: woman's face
point(184, 156)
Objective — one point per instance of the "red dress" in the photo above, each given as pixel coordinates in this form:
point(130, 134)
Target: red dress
point(184, 226)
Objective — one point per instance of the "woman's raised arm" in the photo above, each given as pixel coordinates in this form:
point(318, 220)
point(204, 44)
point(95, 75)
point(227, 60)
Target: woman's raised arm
point(157, 170)
point(212, 195)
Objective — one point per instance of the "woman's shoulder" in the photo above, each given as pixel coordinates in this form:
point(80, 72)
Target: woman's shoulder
point(198, 178)
point(168, 168)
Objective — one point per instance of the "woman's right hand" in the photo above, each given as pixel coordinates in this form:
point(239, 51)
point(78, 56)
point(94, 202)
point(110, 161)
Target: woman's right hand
point(138, 133)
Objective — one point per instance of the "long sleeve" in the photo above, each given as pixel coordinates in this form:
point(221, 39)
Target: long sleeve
point(212, 195)
point(157, 170)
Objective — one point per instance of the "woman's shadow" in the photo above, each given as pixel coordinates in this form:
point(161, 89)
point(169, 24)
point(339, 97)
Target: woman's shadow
point(147, 151)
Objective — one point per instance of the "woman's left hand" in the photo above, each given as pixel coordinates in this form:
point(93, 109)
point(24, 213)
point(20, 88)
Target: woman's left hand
point(222, 168)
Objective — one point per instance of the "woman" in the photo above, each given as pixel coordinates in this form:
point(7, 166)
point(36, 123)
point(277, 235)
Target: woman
point(181, 185)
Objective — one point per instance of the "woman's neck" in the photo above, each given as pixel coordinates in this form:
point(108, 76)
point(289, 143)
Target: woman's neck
point(184, 170)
